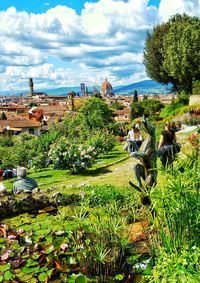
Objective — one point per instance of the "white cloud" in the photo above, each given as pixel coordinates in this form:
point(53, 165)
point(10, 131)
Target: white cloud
point(168, 8)
point(106, 40)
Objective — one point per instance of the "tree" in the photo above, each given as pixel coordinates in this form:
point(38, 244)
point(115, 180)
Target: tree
point(3, 116)
point(147, 106)
point(117, 105)
point(135, 96)
point(95, 114)
point(172, 51)
point(196, 88)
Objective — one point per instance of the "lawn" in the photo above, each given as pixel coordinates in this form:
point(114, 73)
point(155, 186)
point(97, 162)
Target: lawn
point(51, 178)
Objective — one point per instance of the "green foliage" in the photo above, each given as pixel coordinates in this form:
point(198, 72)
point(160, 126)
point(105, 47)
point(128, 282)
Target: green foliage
point(182, 266)
point(76, 158)
point(23, 149)
point(172, 52)
point(196, 87)
point(92, 241)
point(183, 98)
point(153, 55)
point(102, 142)
point(3, 116)
point(32, 104)
point(19, 153)
point(95, 114)
point(176, 242)
point(69, 127)
point(148, 107)
point(6, 140)
point(102, 195)
point(117, 105)
point(192, 121)
point(39, 161)
point(8, 159)
point(171, 110)
point(135, 96)
point(177, 204)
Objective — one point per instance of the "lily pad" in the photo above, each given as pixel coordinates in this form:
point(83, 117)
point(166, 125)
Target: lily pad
point(5, 267)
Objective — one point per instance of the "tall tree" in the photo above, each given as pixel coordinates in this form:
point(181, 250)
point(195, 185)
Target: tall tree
point(95, 114)
point(3, 116)
point(135, 96)
point(172, 52)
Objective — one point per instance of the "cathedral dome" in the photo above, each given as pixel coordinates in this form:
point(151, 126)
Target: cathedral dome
point(106, 88)
point(106, 85)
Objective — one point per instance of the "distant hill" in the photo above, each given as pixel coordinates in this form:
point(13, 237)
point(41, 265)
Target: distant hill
point(143, 87)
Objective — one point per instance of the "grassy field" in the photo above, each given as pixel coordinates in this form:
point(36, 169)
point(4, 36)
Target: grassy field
point(114, 168)
point(59, 179)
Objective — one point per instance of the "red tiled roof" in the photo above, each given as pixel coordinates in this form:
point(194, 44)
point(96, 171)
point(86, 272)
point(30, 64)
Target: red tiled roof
point(123, 111)
point(25, 123)
point(52, 108)
point(13, 107)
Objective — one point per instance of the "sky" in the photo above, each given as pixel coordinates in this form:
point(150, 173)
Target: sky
point(67, 42)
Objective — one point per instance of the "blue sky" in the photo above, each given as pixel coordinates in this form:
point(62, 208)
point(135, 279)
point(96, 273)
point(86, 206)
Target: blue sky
point(67, 42)
point(40, 6)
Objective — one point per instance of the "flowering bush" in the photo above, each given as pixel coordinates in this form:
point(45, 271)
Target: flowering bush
point(39, 161)
point(103, 142)
point(76, 158)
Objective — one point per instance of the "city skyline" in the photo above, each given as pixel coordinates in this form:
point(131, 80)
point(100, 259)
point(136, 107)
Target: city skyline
point(64, 43)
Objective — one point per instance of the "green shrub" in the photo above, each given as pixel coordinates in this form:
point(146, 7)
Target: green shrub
point(182, 266)
point(66, 155)
point(192, 121)
point(6, 141)
point(148, 107)
point(102, 195)
point(176, 241)
point(171, 110)
point(102, 141)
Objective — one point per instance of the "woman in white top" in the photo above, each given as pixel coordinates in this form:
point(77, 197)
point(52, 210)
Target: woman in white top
point(134, 139)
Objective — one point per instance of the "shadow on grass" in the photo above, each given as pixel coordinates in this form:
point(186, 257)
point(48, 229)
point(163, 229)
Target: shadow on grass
point(96, 172)
point(44, 176)
point(110, 156)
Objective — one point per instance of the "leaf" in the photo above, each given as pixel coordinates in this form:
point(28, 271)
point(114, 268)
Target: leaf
point(71, 260)
point(1, 278)
point(81, 279)
point(42, 276)
point(30, 270)
point(5, 267)
point(119, 277)
point(49, 249)
point(8, 275)
point(31, 262)
point(148, 270)
point(49, 239)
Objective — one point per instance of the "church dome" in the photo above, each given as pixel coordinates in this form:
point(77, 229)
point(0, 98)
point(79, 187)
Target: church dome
point(106, 88)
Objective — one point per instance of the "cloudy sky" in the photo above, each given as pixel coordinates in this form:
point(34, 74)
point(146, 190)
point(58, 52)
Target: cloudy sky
point(66, 42)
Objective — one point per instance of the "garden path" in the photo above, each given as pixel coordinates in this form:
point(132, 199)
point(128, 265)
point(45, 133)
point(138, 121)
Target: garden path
point(118, 174)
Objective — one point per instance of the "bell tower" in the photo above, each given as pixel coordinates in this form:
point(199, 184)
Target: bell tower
point(31, 85)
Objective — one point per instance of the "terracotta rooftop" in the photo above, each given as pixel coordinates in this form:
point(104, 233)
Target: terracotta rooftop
point(24, 123)
point(13, 107)
point(123, 111)
point(52, 108)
